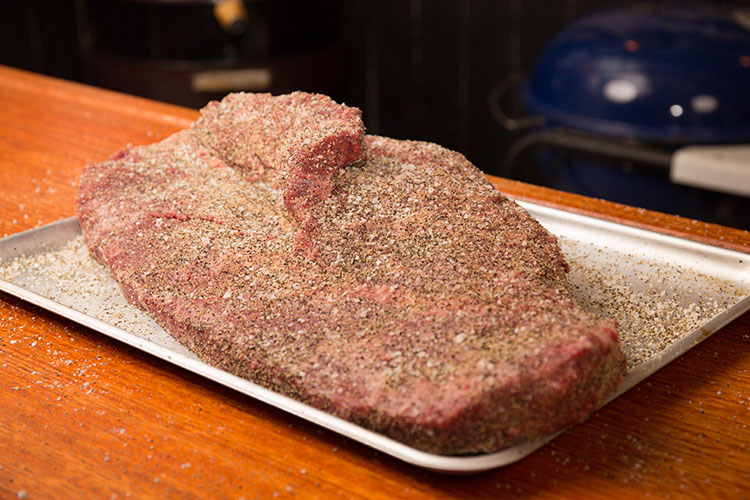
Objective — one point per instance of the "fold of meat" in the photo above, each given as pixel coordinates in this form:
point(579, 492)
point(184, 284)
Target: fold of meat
point(387, 283)
point(303, 139)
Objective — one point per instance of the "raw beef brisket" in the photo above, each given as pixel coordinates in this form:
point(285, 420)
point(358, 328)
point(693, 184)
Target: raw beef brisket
point(383, 281)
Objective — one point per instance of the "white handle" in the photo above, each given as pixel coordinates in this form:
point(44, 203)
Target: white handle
point(720, 168)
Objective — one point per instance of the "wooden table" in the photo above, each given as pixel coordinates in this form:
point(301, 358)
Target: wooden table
point(85, 416)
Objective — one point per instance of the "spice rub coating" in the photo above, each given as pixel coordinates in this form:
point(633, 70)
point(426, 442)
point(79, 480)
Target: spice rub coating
point(406, 294)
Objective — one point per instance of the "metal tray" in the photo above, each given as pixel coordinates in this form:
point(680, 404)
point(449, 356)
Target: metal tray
point(647, 265)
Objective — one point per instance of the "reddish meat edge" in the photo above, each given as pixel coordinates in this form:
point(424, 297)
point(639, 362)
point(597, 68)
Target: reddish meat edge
point(489, 347)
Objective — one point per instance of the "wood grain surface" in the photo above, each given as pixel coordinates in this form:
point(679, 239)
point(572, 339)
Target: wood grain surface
point(83, 416)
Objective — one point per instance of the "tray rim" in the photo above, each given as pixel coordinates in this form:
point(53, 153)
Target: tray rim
point(382, 443)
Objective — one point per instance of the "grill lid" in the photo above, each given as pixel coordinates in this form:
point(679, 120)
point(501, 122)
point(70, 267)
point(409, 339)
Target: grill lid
point(676, 75)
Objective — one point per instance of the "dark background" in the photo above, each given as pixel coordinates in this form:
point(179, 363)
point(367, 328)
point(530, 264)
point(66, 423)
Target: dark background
point(419, 69)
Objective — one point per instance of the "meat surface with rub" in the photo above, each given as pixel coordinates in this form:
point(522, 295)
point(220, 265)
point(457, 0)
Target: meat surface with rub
point(383, 281)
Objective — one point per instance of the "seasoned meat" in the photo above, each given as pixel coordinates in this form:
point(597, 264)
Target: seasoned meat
point(384, 281)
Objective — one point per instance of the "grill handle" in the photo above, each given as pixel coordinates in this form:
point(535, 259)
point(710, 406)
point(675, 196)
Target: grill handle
point(497, 94)
point(568, 140)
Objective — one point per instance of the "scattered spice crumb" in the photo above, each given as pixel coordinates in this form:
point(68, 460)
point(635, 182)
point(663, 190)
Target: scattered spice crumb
point(655, 306)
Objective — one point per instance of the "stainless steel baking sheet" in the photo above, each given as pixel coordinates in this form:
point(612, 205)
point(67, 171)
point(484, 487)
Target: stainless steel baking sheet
point(679, 292)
